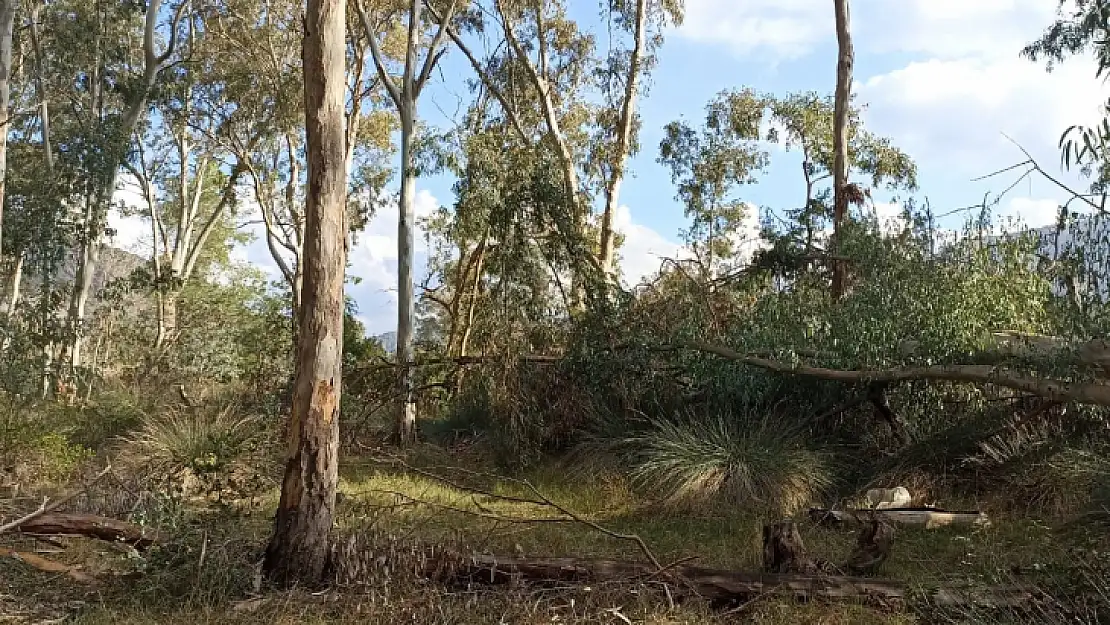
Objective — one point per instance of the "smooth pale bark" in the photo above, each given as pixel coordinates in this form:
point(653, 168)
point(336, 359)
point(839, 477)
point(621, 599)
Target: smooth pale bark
point(404, 97)
point(844, 61)
point(7, 26)
point(406, 301)
point(299, 548)
point(624, 140)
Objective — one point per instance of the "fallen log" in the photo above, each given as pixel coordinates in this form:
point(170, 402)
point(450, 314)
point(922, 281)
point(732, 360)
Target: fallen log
point(929, 518)
point(721, 585)
point(92, 526)
point(48, 566)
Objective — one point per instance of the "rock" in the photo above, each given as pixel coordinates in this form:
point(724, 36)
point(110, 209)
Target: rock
point(884, 498)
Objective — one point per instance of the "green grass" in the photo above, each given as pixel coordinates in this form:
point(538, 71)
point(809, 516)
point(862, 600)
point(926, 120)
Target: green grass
point(176, 588)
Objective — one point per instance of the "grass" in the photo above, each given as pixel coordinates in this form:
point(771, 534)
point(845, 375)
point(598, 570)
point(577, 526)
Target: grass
point(177, 588)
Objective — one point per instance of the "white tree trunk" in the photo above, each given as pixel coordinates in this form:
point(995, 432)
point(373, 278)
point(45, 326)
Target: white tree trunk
point(624, 142)
point(406, 304)
point(7, 25)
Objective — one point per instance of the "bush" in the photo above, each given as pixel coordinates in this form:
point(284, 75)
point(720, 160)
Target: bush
point(198, 453)
point(742, 459)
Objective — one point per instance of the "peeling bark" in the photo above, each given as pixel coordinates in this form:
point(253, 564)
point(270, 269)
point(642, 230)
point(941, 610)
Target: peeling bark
point(299, 547)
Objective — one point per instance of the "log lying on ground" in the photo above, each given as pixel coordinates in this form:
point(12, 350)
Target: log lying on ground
point(48, 566)
point(721, 585)
point(929, 518)
point(103, 528)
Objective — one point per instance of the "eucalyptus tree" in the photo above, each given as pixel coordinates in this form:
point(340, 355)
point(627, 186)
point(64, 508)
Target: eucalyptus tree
point(497, 261)
point(299, 548)
point(845, 58)
point(544, 66)
point(253, 63)
point(187, 185)
point(804, 122)
point(626, 72)
point(707, 164)
point(7, 27)
point(141, 76)
point(404, 91)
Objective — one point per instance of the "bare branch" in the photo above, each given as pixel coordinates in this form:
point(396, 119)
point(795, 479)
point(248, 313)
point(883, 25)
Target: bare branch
point(379, 58)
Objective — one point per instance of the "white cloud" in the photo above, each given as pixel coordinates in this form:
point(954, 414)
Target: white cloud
point(784, 29)
point(374, 255)
point(954, 113)
point(1031, 212)
point(789, 29)
point(643, 250)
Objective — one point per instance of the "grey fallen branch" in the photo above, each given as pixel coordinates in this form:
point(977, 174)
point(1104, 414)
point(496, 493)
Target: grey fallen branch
point(1054, 389)
point(929, 518)
point(719, 584)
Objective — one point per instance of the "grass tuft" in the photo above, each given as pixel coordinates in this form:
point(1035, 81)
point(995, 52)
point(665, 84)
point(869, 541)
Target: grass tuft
point(743, 461)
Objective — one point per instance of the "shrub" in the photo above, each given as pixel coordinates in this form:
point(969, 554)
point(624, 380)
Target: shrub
point(202, 453)
point(744, 460)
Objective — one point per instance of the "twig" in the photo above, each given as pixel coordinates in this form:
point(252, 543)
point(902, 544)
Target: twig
point(541, 499)
point(48, 506)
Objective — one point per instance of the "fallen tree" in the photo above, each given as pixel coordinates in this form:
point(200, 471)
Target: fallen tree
point(91, 526)
point(718, 584)
point(1093, 392)
point(928, 518)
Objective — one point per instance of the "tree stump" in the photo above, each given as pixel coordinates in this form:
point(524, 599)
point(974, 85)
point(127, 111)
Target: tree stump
point(872, 547)
point(783, 550)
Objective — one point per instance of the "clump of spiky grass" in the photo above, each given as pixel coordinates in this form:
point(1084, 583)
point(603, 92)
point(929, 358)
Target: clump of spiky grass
point(200, 451)
point(749, 461)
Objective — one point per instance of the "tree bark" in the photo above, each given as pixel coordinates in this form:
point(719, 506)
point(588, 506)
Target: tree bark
point(624, 140)
point(299, 547)
point(7, 27)
point(406, 303)
point(844, 61)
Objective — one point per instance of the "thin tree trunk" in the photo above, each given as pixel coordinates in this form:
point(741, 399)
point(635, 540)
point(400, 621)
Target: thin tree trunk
point(299, 547)
point(15, 284)
point(7, 26)
point(844, 61)
point(406, 305)
point(624, 141)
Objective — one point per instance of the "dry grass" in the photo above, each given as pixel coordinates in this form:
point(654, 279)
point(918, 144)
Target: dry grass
point(174, 586)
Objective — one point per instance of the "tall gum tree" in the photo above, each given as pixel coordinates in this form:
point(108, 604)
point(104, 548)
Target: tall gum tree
point(645, 19)
point(155, 58)
point(404, 93)
point(299, 547)
point(845, 58)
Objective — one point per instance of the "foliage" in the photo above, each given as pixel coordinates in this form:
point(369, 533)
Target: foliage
point(201, 452)
point(746, 460)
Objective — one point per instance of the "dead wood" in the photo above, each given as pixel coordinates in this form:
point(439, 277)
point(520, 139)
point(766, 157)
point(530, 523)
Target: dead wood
point(783, 550)
point(929, 518)
point(1049, 388)
point(717, 584)
point(48, 505)
point(48, 566)
point(873, 545)
point(92, 526)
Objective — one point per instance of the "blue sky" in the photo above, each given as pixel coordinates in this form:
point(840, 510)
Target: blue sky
point(941, 78)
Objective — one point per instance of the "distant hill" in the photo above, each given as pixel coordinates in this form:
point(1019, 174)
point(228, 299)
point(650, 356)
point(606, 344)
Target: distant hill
point(114, 264)
point(388, 341)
